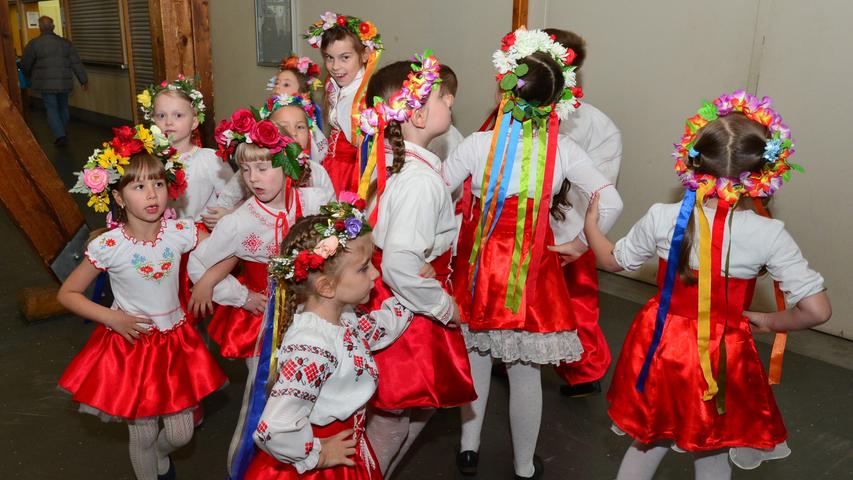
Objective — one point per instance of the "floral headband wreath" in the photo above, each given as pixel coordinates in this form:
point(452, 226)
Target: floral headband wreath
point(515, 125)
point(278, 101)
point(776, 169)
point(346, 222)
point(370, 38)
point(182, 84)
point(420, 82)
point(106, 164)
point(728, 191)
point(304, 66)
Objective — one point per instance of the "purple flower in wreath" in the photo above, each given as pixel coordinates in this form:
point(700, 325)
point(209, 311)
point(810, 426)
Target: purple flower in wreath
point(353, 227)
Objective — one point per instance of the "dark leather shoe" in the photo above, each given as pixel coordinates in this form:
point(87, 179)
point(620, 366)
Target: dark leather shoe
point(467, 462)
point(581, 390)
point(538, 470)
point(170, 474)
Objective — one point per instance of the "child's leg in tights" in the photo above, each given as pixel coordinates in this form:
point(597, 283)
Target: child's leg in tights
point(473, 413)
point(525, 413)
point(252, 363)
point(418, 419)
point(177, 432)
point(712, 465)
point(143, 448)
point(641, 461)
point(387, 430)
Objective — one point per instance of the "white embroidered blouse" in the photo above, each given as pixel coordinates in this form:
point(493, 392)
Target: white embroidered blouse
point(206, 176)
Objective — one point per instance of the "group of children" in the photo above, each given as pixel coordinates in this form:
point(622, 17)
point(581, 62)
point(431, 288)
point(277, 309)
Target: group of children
point(373, 278)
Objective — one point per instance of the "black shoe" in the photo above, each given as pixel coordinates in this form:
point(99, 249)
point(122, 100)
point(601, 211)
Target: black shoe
point(61, 141)
point(170, 474)
point(581, 390)
point(467, 462)
point(538, 470)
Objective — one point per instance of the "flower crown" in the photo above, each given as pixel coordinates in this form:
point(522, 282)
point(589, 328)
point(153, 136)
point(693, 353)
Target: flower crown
point(779, 147)
point(146, 98)
point(422, 80)
point(106, 164)
point(520, 44)
point(247, 126)
point(346, 222)
point(304, 66)
point(278, 101)
point(362, 29)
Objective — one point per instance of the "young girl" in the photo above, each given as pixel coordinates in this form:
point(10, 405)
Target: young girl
point(510, 288)
point(427, 368)
point(351, 49)
point(143, 363)
point(299, 76)
point(252, 233)
point(177, 108)
point(710, 396)
point(312, 426)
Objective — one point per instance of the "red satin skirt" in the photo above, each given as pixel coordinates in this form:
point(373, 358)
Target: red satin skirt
point(234, 329)
point(185, 285)
point(582, 281)
point(341, 163)
point(550, 311)
point(265, 467)
point(671, 408)
point(428, 365)
point(162, 373)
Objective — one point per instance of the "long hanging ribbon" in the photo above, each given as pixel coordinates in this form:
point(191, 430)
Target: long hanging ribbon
point(668, 283)
point(375, 158)
point(777, 353)
point(511, 301)
point(256, 399)
point(358, 100)
point(381, 169)
point(318, 116)
point(720, 293)
point(543, 204)
point(703, 327)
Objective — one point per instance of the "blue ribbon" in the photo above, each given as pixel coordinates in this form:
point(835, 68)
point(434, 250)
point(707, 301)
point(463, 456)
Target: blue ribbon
point(365, 152)
point(668, 283)
point(258, 396)
point(510, 161)
point(318, 116)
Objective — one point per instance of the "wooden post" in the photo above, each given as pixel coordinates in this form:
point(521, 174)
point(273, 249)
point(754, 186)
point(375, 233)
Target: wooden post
point(180, 37)
point(519, 14)
point(9, 74)
point(127, 47)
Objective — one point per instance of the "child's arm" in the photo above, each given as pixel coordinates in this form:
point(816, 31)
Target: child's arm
point(213, 214)
point(201, 301)
point(285, 430)
point(220, 245)
point(807, 313)
point(460, 164)
point(71, 296)
point(381, 327)
point(598, 242)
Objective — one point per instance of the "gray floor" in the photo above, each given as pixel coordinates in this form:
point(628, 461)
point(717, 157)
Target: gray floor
point(42, 436)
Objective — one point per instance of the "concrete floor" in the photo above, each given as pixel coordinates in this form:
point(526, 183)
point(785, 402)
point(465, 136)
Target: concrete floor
point(42, 436)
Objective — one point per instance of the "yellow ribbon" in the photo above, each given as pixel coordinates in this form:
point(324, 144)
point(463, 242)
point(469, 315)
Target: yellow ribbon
point(703, 328)
point(279, 305)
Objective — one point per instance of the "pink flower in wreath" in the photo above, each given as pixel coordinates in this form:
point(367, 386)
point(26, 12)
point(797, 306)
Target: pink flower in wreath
point(348, 197)
point(327, 247)
point(97, 179)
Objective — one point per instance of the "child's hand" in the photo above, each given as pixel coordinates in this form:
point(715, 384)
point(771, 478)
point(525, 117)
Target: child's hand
point(336, 450)
point(213, 215)
point(592, 214)
point(761, 322)
point(128, 326)
point(201, 301)
point(569, 251)
point(256, 303)
point(455, 319)
point(427, 271)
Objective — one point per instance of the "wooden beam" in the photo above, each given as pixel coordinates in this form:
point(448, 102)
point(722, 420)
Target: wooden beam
point(127, 47)
point(203, 55)
point(8, 73)
point(519, 14)
point(30, 188)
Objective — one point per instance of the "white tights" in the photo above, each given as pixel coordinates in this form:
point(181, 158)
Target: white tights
point(525, 408)
point(392, 434)
point(641, 462)
point(150, 446)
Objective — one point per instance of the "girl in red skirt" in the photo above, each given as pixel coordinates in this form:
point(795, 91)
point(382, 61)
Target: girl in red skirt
point(305, 409)
point(511, 290)
point(414, 226)
point(270, 167)
point(689, 377)
point(350, 48)
point(144, 363)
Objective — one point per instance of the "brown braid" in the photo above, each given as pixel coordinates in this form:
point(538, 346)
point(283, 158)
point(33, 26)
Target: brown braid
point(394, 134)
point(561, 202)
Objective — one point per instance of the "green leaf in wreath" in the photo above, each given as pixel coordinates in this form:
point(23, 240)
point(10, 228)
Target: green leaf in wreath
point(708, 111)
point(509, 81)
point(521, 70)
point(255, 113)
point(508, 106)
point(518, 114)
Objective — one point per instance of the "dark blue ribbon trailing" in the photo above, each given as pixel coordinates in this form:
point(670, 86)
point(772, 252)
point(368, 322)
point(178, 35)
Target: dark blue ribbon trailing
point(365, 153)
point(318, 116)
point(258, 396)
point(668, 282)
point(510, 162)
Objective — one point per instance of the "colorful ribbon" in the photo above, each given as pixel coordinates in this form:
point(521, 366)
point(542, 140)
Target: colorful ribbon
point(721, 305)
point(668, 283)
point(703, 327)
point(777, 353)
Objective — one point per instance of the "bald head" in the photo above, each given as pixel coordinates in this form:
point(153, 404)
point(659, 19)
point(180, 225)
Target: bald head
point(45, 24)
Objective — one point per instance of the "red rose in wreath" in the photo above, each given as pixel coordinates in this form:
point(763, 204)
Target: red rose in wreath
point(242, 121)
